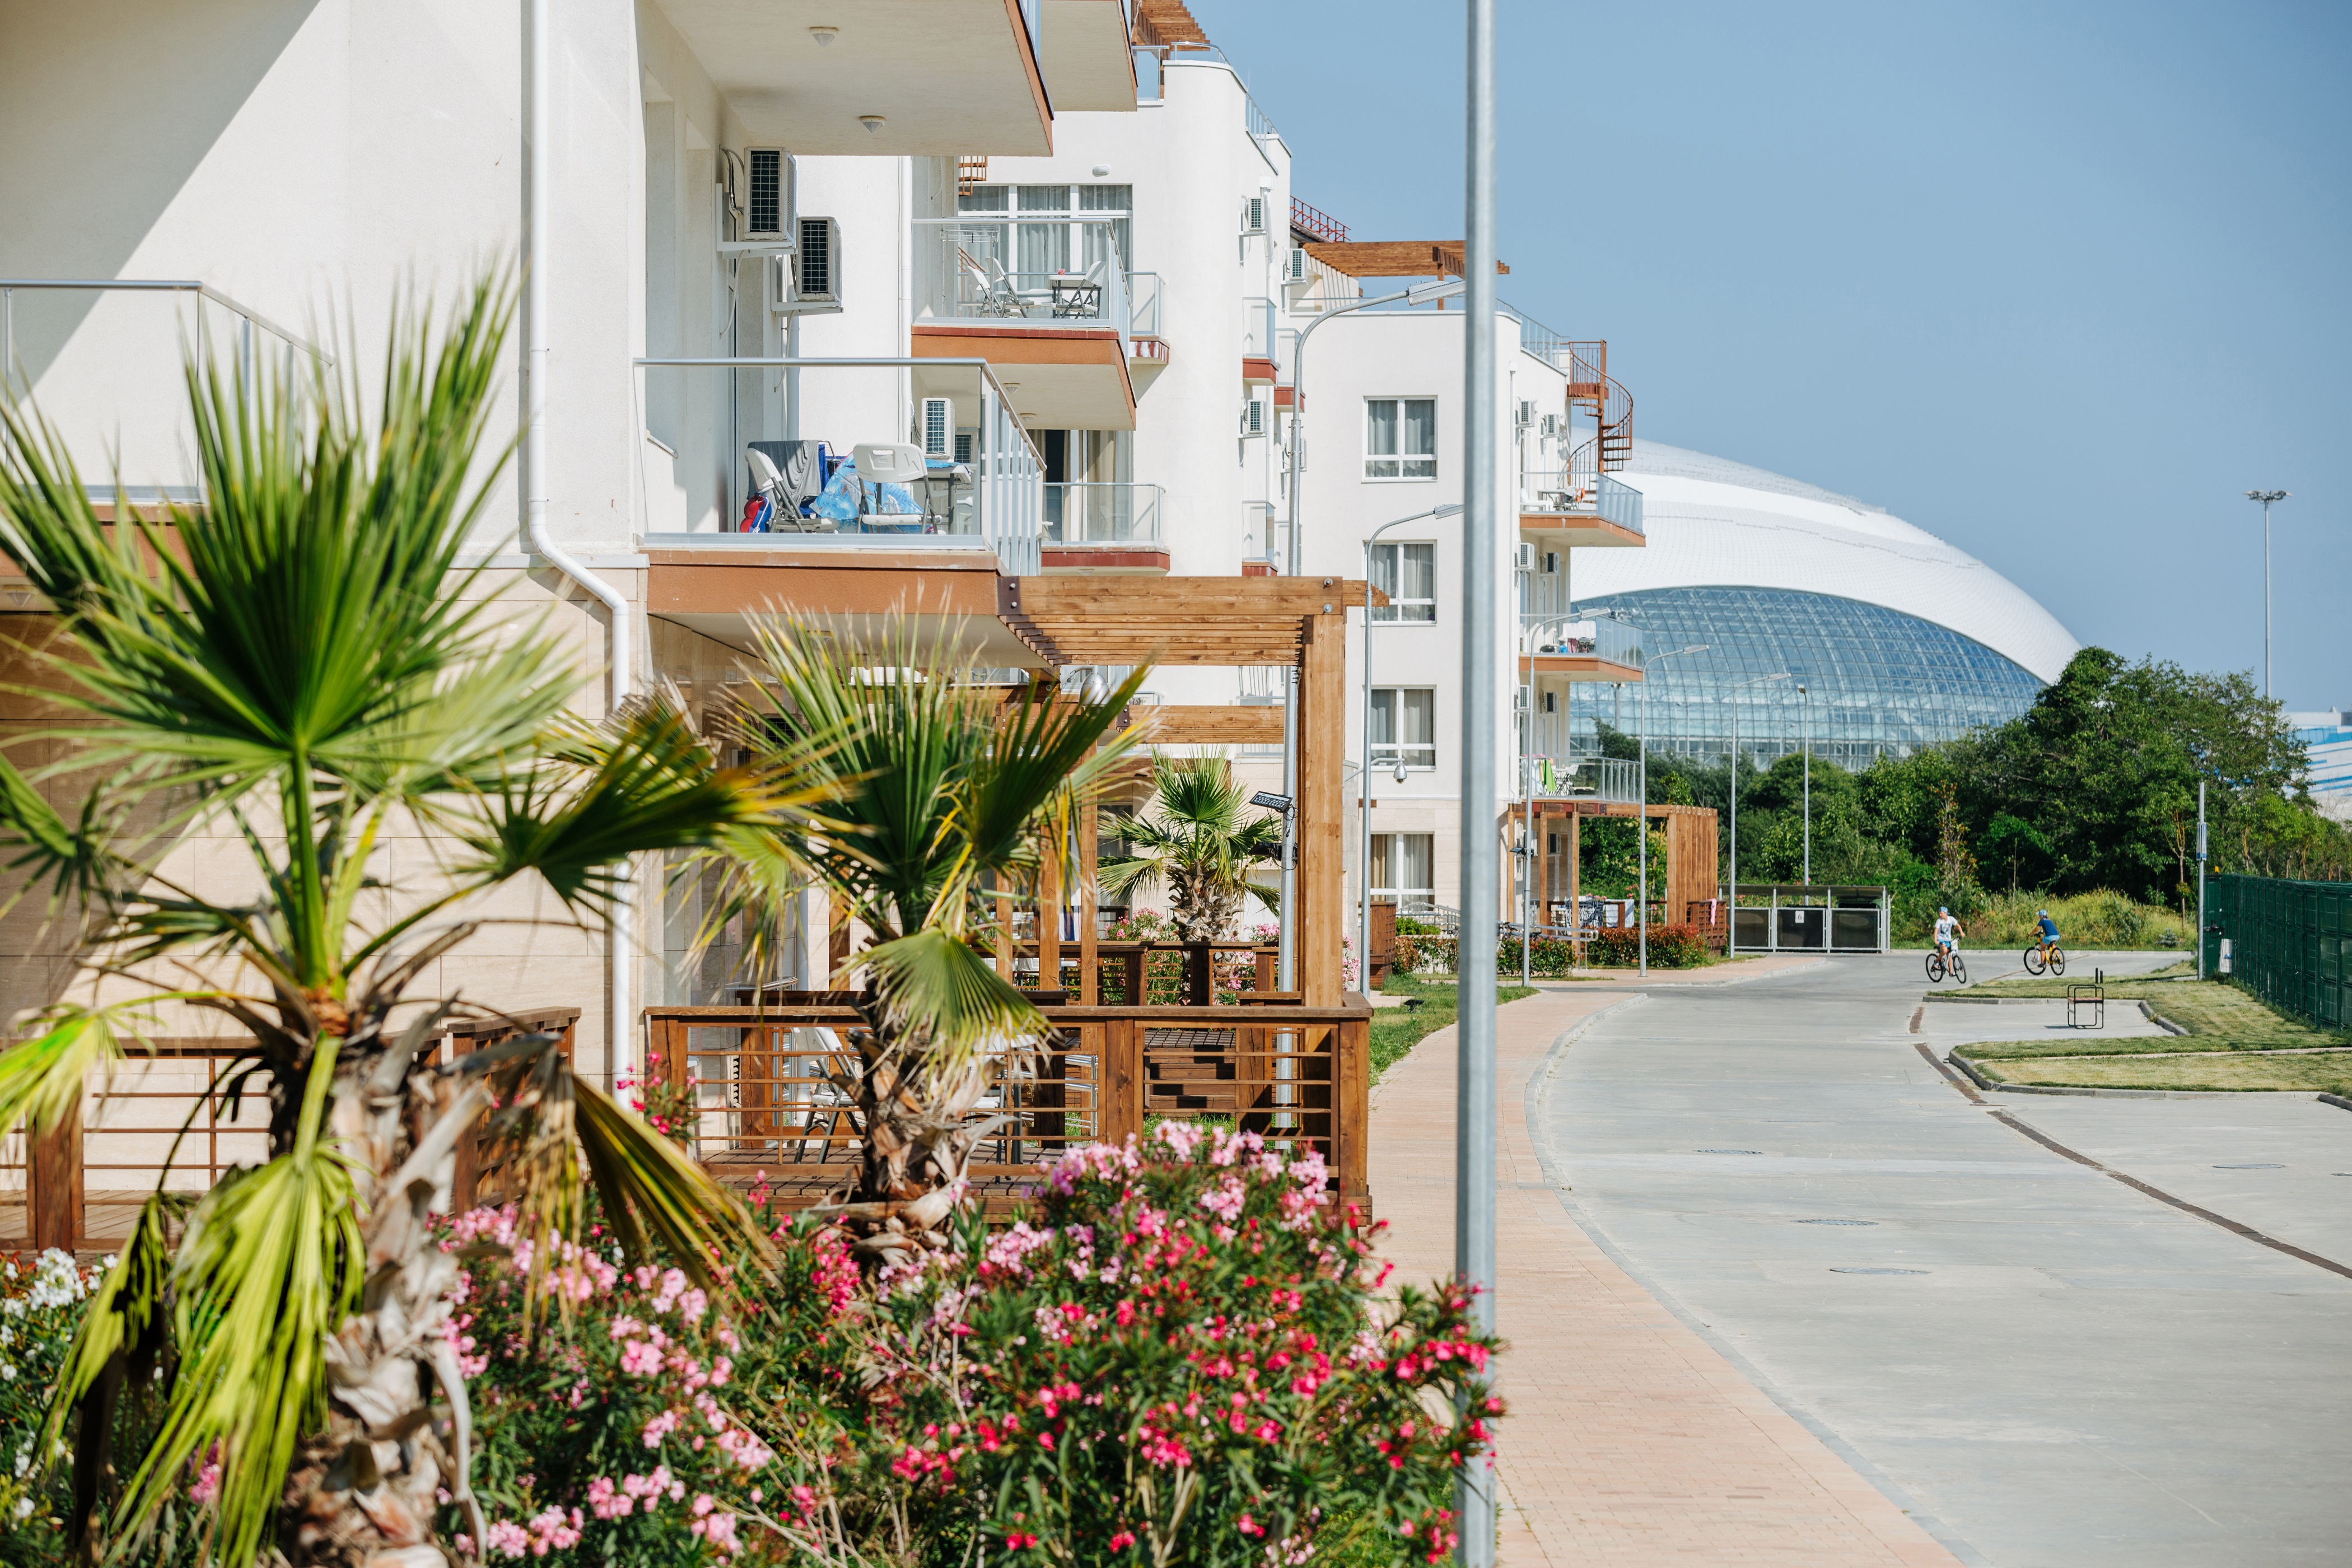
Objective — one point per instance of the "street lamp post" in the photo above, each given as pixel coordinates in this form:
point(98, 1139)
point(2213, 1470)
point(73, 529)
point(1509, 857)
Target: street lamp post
point(1641, 811)
point(1417, 295)
point(1364, 774)
point(1731, 904)
point(1806, 703)
point(2266, 497)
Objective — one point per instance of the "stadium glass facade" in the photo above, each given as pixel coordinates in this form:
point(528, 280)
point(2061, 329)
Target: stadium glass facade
point(1877, 679)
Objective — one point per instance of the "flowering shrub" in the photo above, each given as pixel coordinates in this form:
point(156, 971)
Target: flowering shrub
point(1178, 1356)
point(1610, 947)
point(40, 1308)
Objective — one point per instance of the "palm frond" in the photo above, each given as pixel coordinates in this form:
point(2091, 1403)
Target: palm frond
point(269, 1269)
point(42, 1078)
point(647, 1182)
point(124, 1335)
point(940, 992)
point(77, 859)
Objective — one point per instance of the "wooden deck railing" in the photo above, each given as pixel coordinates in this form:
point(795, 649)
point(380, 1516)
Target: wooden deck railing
point(81, 1186)
point(770, 1109)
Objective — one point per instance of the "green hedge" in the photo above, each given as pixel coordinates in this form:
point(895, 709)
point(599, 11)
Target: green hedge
point(1671, 947)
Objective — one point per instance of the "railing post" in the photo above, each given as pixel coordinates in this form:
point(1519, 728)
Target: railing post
point(1122, 1080)
point(1352, 1115)
point(54, 1184)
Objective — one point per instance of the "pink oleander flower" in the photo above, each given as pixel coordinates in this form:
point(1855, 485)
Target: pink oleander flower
point(507, 1539)
point(641, 1359)
point(660, 1426)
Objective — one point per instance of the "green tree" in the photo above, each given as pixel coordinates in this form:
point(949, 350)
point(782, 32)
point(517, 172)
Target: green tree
point(296, 664)
point(932, 795)
point(1199, 840)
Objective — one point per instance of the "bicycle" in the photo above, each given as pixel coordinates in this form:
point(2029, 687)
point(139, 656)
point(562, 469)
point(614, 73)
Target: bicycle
point(1939, 967)
point(2035, 964)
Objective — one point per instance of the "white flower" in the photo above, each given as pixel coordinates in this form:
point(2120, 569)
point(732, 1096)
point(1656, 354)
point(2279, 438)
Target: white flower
point(7, 1371)
point(24, 1507)
point(7, 1338)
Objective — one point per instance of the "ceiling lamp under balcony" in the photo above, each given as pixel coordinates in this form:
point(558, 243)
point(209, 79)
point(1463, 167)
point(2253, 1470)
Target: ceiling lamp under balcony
point(823, 35)
point(873, 122)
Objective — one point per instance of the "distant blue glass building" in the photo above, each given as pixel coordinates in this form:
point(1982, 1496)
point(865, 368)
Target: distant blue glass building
point(1875, 680)
point(1900, 639)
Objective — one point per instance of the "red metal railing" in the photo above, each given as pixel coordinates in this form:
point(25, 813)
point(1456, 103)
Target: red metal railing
point(1315, 223)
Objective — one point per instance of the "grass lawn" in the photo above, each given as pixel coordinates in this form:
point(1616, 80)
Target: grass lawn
point(2233, 1043)
point(2330, 1072)
point(1396, 1030)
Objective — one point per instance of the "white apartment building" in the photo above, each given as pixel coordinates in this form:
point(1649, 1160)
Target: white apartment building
point(1049, 245)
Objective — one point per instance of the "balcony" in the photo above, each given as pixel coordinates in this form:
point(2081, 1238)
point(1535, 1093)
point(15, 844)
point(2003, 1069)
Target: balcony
point(1046, 303)
point(753, 499)
point(1553, 773)
point(1087, 55)
point(941, 78)
point(1103, 529)
point(1595, 649)
point(1578, 508)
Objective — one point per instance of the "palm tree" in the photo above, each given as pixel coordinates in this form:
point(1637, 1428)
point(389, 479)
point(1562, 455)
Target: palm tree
point(1199, 842)
point(939, 795)
point(294, 659)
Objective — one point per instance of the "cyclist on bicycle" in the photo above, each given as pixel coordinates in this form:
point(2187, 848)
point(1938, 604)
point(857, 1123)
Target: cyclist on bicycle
point(1948, 931)
point(2048, 935)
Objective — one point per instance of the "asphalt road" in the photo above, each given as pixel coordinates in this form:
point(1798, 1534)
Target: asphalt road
point(2049, 1369)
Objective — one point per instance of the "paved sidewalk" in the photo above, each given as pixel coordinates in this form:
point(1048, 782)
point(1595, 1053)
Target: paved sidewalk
point(1630, 1439)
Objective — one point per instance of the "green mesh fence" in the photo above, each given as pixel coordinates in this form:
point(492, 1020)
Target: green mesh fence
point(2290, 944)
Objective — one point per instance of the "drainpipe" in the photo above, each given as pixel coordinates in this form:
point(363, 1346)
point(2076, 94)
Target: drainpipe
point(620, 1023)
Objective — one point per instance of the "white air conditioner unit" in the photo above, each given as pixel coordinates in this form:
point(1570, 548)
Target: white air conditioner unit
point(1550, 424)
point(1254, 416)
point(1526, 413)
point(1526, 557)
point(766, 200)
point(816, 263)
point(1294, 266)
point(1551, 563)
point(1253, 215)
point(937, 427)
point(1551, 703)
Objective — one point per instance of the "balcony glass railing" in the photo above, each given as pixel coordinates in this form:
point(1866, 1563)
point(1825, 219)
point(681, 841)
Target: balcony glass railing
point(1617, 642)
point(743, 450)
point(1552, 774)
point(1143, 305)
point(1257, 329)
point(1102, 513)
point(1001, 273)
point(1580, 492)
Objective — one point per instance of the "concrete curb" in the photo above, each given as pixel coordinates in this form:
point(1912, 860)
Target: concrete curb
point(1994, 1086)
point(2337, 1100)
point(2147, 1010)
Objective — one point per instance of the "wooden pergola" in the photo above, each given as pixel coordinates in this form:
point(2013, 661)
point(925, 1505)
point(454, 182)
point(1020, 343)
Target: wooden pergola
point(1196, 622)
point(1690, 868)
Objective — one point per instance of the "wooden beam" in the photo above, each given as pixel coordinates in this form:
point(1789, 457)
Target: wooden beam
point(1178, 600)
point(1394, 257)
point(1089, 903)
point(1236, 724)
point(1322, 743)
point(1049, 909)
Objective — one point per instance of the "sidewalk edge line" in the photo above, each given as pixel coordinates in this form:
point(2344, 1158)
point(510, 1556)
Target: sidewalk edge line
point(1538, 1092)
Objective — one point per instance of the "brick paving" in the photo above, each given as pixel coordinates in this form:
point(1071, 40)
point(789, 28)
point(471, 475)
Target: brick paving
point(1630, 1441)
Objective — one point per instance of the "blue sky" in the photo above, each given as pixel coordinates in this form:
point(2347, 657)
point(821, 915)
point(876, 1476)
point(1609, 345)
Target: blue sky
point(2056, 283)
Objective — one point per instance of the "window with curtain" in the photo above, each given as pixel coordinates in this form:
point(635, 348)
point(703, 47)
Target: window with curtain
point(1404, 725)
point(1050, 228)
point(1400, 438)
point(1407, 573)
point(1404, 868)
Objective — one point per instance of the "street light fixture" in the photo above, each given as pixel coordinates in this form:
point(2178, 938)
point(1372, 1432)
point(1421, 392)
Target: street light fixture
point(1419, 294)
point(2266, 497)
point(1641, 811)
point(1364, 774)
point(1731, 904)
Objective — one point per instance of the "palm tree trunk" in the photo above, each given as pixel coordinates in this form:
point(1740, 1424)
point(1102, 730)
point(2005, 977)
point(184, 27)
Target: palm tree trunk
point(363, 1492)
point(920, 1130)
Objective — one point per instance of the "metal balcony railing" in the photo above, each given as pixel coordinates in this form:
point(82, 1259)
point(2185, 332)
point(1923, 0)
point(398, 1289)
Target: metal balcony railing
point(1618, 642)
point(987, 271)
point(705, 419)
point(1576, 490)
point(1554, 775)
point(1102, 513)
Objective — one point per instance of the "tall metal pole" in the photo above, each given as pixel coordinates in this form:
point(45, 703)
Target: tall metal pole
point(2200, 878)
point(2265, 496)
point(1642, 835)
point(1474, 1132)
point(1808, 705)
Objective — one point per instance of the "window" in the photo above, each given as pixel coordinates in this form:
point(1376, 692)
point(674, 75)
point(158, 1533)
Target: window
point(1057, 224)
point(1404, 725)
point(1400, 438)
point(1407, 573)
point(1404, 868)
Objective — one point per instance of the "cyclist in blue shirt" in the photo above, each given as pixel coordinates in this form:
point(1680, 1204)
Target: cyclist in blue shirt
point(2049, 935)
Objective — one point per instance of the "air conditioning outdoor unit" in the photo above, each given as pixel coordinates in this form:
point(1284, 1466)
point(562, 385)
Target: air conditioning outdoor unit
point(1253, 215)
point(1550, 424)
point(1551, 703)
point(1526, 413)
point(1254, 416)
point(1294, 266)
point(816, 265)
point(937, 430)
point(1526, 557)
point(1551, 563)
point(767, 198)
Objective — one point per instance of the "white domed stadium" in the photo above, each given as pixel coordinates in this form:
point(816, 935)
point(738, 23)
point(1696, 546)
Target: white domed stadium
point(1900, 639)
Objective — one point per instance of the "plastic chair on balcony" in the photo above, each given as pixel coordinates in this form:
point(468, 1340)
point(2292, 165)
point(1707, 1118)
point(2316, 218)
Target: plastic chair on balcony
point(887, 469)
point(993, 292)
point(772, 485)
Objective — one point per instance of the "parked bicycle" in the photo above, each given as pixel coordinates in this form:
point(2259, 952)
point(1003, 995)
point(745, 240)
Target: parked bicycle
point(1940, 965)
point(2056, 963)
